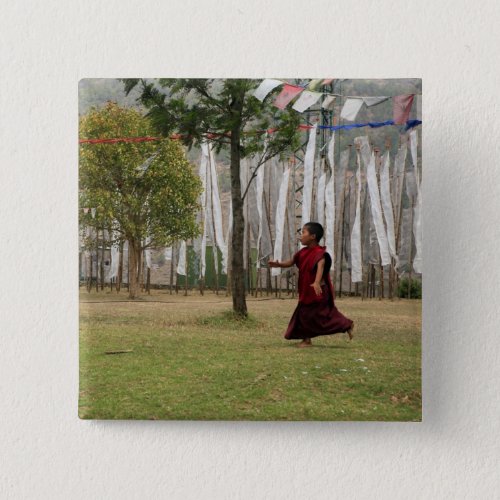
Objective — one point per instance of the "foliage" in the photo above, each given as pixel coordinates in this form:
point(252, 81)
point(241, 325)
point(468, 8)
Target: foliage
point(415, 289)
point(139, 189)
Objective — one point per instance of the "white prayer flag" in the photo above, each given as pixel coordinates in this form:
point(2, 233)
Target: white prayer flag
point(308, 175)
point(280, 221)
point(329, 102)
point(371, 177)
point(320, 199)
point(372, 101)
point(92, 211)
point(306, 100)
point(260, 190)
point(168, 253)
point(217, 212)
point(147, 253)
point(181, 265)
point(417, 231)
point(351, 108)
point(115, 257)
point(330, 203)
point(356, 265)
point(385, 194)
point(265, 87)
point(203, 202)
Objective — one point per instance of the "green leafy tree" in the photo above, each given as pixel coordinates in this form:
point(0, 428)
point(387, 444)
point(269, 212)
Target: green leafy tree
point(226, 113)
point(139, 190)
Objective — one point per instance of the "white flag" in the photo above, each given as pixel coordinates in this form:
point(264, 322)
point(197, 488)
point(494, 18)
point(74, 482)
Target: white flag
point(320, 199)
point(356, 265)
point(329, 102)
point(308, 175)
point(371, 177)
point(181, 265)
point(280, 221)
point(306, 100)
point(148, 252)
point(217, 212)
point(168, 253)
point(385, 194)
point(351, 108)
point(115, 257)
point(372, 101)
point(330, 203)
point(265, 87)
point(260, 190)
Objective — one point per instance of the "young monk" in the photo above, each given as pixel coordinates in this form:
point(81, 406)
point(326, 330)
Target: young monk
point(316, 313)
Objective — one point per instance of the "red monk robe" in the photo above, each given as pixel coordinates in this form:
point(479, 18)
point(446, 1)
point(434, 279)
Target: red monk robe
point(315, 315)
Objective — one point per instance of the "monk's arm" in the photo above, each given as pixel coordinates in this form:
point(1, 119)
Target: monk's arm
point(319, 272)
point(286, 263)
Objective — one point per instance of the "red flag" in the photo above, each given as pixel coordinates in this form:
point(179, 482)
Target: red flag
point(286, 95)
point(402, 107)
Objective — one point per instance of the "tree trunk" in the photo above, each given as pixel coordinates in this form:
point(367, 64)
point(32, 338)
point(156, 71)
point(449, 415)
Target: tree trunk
point(134, 250)
point(237, 270)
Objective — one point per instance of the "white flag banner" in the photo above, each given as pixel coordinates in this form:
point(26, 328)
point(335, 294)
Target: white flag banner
point(265, 87)
point(148, 253)
point(356, 265)
point(308, 176)
point(329, 102)
point(217, 212)
point(229, 223)
point(320, 199)
point(385, 195)
point(330, 202)
point(372, 101)
point(204, 199)
point(260, 190)
point(115, 257)
point(92, 211)
point(306, 100)
point(417, 210)
point(371, 177)
point(330, 217)
point(181, 265)
point(168, 253)
point(399, 171)
point(417, 231)
point(351, 108)
point(280, 221)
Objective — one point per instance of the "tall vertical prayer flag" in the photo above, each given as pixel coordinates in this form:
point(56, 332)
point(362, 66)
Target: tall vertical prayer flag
point(330, 203)
point(356, 265)
point(280, 221)
point(402, 107)
point(286, 95)
point(308, 175)
point(385, 195)
point(376, 210)
point(181, 265)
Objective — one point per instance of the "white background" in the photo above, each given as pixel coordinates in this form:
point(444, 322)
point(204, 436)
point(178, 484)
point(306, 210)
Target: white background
point(46, 451)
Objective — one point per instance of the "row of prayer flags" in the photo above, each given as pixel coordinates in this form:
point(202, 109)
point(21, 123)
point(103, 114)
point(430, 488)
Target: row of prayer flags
point(402, 104)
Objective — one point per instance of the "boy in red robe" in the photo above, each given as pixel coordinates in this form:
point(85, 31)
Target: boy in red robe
point(316, 313)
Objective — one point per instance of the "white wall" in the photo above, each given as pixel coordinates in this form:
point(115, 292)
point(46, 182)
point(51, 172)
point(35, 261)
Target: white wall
point(46, 47)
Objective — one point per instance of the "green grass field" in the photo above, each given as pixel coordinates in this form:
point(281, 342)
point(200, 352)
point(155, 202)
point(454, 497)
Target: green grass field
point(190, 360)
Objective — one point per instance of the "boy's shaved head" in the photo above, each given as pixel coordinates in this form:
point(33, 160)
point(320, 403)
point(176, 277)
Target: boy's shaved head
point(315, 228)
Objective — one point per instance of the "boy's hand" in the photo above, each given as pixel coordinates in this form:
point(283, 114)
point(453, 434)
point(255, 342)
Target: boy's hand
point(317, 288)
point(273, 263)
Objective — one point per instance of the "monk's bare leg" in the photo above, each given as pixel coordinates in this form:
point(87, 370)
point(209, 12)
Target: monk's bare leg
point(305, 343)
point(350, 332)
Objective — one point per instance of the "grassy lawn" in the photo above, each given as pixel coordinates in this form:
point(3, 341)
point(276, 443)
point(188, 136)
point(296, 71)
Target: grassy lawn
point(190, 360)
